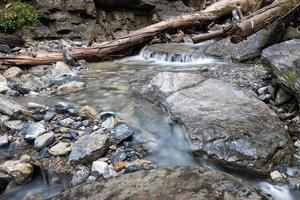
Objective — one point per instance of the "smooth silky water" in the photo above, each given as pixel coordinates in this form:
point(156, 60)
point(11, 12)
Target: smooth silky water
point(109, 89)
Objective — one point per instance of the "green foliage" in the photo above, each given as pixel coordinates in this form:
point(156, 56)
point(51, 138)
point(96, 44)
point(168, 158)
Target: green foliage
point(291, 76)
point(17, 15)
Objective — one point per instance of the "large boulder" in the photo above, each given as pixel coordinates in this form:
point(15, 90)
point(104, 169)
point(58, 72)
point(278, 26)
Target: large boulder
point(283, 60)
point(225, 122)
point(245, 50)
point(174, 183)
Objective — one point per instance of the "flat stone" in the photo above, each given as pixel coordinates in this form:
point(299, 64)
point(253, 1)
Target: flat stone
point(14, 124)
point(283, 60)
point(89, 148)
point(44, 140)
point(31, 130)
point(60, 149)
point(110, 123)
point(172, 183)
point(70, 87)
point(21, 172)
point(230, 125)
point(10, 107)
point(122, 132)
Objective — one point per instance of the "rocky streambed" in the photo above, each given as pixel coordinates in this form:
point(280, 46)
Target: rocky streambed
point(165, 130)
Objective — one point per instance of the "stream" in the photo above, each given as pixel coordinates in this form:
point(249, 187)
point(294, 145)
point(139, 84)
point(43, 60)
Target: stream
point(109, 89)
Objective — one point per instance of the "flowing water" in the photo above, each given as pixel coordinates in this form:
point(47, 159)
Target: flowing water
point(109, 89)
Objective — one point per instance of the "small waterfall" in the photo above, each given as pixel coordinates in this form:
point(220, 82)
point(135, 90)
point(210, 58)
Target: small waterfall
point(277, 192)
point(168, 56)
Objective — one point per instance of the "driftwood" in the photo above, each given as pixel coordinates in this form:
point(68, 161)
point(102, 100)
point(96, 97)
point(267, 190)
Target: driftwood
point(211, 13)
point(252, 23)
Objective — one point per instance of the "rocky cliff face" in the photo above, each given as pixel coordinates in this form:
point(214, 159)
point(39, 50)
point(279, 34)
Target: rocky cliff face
point(101, 19)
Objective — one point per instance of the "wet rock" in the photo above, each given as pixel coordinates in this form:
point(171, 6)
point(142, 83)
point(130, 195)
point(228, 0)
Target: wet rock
point(231, 126)
point(12, 72)
point(13, 124)
point(63, 107)
point(66, 122)
point(31, 130)
point(276, 176)
point(44, 140)
point(49, 116)
point(110, 123)
point(166, 83)
point(89, 112)
point(28, 83)
point(282, 97)
point(245, 50)
point(70, 87)
point(99, 167)
point(3, 140)
point(60, 149)
point(21, 172)
point(118, 156)
point(61, 69)
point(169, 184)
point(89, 148)
point(12, 108)
point(122, 132)
point(283, 60)
point(80, 176)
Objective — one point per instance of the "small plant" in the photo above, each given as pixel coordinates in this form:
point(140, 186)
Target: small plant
point(291, 77)
point(17, 15)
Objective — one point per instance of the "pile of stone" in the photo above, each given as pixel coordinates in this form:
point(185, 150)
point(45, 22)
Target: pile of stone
point(44, 79)
point(60, 137)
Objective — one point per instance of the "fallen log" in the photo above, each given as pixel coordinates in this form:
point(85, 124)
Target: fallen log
point(253, 22)
point(211, 13)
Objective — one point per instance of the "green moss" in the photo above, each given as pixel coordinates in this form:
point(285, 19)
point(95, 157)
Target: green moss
point(17, 15)
point(291, 76)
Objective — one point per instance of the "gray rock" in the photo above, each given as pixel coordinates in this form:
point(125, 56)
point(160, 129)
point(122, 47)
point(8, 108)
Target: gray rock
point(80, 176)
point(244, 50)
point(4, 48)
point(44, 140)
point(10, 107)
point(89, 148)
point(31, 130)
point(14, 124)
point(60, 149)
point(173, 183)
point(99, 167)
point(49, 116)
point(282, 97)
point(70, 87)
point(231, 126)
point(283, 60)
point(122, 132)
point(117, 157)
point(3, 140)
point(66, 122)
point(61, 69)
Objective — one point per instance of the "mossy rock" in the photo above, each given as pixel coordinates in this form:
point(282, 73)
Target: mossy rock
point(16, 15)
point(283, 60)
